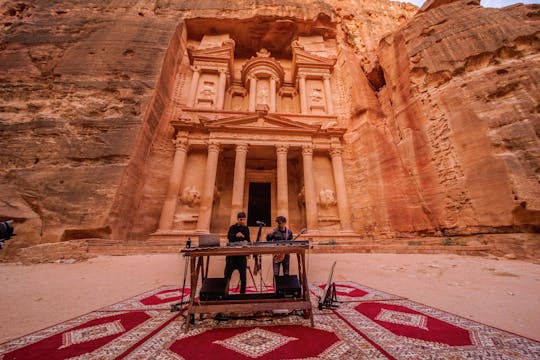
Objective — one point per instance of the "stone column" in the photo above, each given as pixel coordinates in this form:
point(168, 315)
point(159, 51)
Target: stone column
point(328, 94)
point(207, 198)
point(303, 97)
point(175, 181)
point(239, 180)
point(312, 220)
point(193, 87)
point(221, 88)
point(272, 94)
point(252, 93)
point(282, 186)
point(339, 180)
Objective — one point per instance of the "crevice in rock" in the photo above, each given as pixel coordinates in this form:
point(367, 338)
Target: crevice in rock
point(376, 78)
point(98, 233)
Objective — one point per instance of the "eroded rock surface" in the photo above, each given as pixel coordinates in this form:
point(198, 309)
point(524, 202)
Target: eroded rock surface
point(441, 110)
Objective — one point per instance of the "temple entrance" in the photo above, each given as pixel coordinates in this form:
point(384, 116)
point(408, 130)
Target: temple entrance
point(259, 205)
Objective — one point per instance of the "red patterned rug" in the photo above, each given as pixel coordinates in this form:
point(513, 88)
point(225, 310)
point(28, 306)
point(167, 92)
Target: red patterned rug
point(369, 324)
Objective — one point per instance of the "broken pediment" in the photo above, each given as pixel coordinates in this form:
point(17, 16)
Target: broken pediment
point(213, 52)
point(304, 60)
point(303, 57)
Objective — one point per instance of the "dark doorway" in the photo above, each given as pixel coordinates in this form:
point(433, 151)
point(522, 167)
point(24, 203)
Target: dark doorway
point(259, 208)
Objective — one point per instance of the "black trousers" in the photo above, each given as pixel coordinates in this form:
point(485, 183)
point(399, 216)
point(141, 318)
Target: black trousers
point(236, 263)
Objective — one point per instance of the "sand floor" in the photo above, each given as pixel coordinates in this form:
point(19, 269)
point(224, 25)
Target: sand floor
point(501, 293)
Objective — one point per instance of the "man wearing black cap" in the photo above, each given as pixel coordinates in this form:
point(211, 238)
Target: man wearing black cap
point(238, 232)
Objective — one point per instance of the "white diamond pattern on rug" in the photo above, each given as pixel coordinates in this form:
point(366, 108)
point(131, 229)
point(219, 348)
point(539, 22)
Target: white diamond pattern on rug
point(344, 289)
point(91, 333)
point(170, 294)
point(402, 318)
point(255, 343)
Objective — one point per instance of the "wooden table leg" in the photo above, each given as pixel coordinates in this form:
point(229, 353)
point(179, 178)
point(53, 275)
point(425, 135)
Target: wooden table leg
point(305, 286)
point(194, 271)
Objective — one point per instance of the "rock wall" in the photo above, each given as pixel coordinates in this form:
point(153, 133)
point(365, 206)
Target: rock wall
point(442, 113)
point(461, 115)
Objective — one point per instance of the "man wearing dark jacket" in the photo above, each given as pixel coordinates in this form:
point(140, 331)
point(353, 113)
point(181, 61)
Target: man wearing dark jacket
point(238, 232)
point(281, 233)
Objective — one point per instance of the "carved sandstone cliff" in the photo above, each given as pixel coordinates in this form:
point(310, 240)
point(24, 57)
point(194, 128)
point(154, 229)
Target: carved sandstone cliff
point(442, 114)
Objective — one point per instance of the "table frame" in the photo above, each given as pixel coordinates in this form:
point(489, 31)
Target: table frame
point(198, 268)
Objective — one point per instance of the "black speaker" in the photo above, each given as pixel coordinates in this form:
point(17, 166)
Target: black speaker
point(213, 289)
point(288, 286)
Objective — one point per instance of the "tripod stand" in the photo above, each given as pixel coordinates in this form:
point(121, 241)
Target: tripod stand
point(262, 284)
point(179, 306)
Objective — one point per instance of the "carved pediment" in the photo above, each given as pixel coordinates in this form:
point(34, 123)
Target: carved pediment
point(302, 57)
point(305, 60)
point(261, 123)
point(218, 54)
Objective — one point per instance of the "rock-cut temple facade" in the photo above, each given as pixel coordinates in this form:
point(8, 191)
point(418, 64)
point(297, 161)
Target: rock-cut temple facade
point(257, 134)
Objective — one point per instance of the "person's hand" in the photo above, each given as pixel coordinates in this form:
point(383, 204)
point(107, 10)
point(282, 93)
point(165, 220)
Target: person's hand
point(239, 235)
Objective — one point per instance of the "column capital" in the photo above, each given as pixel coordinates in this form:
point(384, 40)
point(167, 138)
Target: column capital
point(302, 76)
point(181, 143)
point(335, 151)
point(282, 148)
point(214, 146)
point(307, 150)
point(223, 71)
point(243, 148)
point(195, 68)
point(327, 76)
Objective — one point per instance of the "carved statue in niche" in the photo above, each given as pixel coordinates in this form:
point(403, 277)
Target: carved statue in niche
point(207, 90)
point(316, 96)
point(190, 196)
point(326, 198)
point(262, 96)
point(301, 197)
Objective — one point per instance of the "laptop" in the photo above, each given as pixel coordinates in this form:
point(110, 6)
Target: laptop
point(209, 240)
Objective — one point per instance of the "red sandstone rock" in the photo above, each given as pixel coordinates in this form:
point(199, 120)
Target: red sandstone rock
point(442, 113)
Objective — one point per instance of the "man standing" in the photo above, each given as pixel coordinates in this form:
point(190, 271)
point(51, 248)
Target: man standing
point(280, 233)
point(238, 232)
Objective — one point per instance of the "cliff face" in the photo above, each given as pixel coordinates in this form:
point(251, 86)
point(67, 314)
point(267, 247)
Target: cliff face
point(76, 80)
point(461, 120)
point(442, 113)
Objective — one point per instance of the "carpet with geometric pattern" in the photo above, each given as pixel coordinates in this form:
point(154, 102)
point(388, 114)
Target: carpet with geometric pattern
point(368, 324)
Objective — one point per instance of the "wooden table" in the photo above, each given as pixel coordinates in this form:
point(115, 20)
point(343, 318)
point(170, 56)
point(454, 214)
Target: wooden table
point(256, 303)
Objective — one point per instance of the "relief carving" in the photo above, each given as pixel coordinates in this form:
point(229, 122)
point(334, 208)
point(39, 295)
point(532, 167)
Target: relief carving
point(263, 53)
point(190, 196)
point(316, 96)
point(262, 96)
point(301, 197)
point(207, 90)
point(326, 198)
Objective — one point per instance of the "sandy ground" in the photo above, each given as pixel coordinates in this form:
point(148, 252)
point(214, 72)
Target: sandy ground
point(501, 293)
